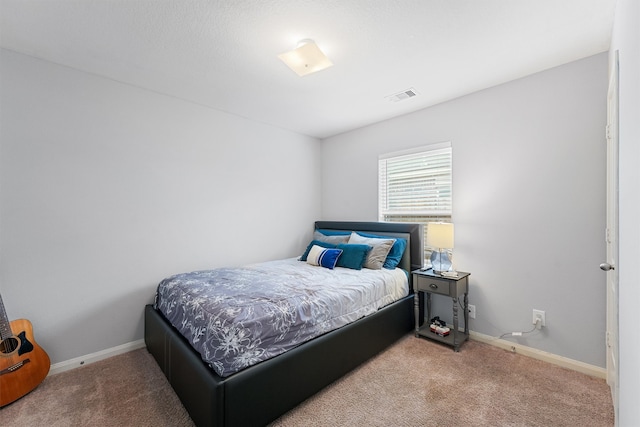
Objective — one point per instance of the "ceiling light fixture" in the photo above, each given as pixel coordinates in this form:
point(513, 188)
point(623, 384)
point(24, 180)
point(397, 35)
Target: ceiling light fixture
point(306, 58)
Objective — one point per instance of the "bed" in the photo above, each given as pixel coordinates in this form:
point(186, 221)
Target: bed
point(258, 394)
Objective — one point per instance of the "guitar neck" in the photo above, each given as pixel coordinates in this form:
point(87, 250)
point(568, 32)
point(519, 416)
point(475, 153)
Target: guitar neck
point(5, 326)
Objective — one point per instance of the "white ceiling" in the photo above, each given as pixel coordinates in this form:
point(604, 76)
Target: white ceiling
point(223, 53)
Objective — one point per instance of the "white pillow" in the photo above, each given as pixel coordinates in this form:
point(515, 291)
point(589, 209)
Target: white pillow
point(379, 249)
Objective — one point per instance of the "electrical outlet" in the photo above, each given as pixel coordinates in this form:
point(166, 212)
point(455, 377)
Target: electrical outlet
point(472, 311)
point(539, 314)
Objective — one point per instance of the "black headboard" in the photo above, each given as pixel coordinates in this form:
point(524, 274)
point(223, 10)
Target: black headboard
point(413, 257)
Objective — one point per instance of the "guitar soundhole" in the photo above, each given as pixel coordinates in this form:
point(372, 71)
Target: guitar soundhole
point(9, 345)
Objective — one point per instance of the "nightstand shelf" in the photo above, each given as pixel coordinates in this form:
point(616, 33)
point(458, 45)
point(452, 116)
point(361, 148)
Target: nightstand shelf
point(426, 283)
point(425, 332)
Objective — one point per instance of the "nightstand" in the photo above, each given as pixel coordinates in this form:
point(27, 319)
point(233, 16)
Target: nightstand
point(426, 283)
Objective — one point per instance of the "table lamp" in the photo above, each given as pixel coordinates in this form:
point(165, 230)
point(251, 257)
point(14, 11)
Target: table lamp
point(440, 236)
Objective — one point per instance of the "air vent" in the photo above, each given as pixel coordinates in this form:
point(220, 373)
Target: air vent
point(401, 96)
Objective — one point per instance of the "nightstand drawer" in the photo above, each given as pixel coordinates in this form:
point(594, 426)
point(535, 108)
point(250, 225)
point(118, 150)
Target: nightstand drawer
point(432, 284)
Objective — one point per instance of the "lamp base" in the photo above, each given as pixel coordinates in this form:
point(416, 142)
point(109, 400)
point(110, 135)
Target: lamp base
point(440, 261)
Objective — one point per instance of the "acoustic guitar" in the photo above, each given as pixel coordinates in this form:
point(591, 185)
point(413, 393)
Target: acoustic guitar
point(23, 364)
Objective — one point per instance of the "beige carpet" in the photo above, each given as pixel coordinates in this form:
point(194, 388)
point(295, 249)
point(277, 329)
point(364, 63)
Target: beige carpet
point(414, 383)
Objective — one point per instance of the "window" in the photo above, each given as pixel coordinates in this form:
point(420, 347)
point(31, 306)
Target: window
point(416, 186)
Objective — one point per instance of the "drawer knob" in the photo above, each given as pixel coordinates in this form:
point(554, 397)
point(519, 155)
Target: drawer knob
point(433, 286)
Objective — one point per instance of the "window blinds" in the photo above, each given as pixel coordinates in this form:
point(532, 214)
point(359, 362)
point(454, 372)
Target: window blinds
point(416, 183)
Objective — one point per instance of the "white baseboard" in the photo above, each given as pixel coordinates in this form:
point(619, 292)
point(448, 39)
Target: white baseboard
point(67, 365)
point(565, 362)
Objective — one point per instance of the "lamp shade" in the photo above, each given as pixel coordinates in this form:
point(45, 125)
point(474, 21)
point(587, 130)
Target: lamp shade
point(305, 59)
point(440, 235)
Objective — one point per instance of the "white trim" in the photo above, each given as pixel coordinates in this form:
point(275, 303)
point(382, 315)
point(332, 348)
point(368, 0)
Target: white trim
point(554, 359)
point(565, 362)
point(428, 147)
point(67, 365)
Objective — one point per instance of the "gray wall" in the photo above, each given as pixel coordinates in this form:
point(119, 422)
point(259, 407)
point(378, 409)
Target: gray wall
point(107, 188)
point(529, 199)
point(626, 39)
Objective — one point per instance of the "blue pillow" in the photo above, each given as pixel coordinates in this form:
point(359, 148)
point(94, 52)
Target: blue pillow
point(353, 255)
point(396, 252)
point(317, 243)
point(323, 257)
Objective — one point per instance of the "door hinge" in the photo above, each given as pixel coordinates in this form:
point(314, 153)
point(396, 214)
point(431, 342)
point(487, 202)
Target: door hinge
point(607, 131)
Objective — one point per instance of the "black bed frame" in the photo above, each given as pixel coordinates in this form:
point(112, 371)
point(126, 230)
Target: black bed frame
point(261, 393)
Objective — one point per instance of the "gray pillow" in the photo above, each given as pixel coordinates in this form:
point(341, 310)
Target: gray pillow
point(379, 250)
point(330, 239)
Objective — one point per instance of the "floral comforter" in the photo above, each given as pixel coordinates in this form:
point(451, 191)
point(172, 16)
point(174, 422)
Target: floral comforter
point(238, 317)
